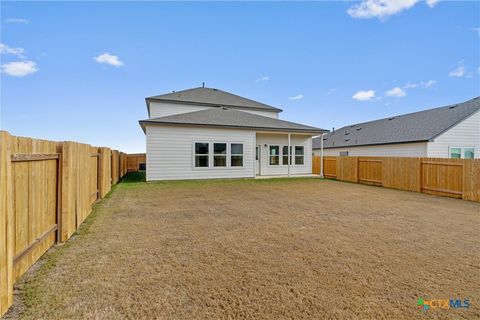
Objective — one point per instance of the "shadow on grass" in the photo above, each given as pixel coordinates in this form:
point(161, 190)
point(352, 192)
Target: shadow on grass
point(134, 177)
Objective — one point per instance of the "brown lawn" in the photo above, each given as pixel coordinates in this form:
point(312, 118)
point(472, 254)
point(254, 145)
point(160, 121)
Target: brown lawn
point(269, 249)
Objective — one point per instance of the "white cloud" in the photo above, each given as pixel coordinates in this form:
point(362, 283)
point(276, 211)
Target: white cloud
point(4, 49)
point(17, 20)
point(421, 84)
point(109, 59)
point(428, 84)
point(297, 97)
point(432, 3)
point(264, 78)
point(459, 70)
point(381, 9)
point(364, 95)
point(19, 68)
point(396, 92)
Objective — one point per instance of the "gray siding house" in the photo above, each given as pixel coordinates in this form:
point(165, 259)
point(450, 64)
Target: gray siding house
point(447, 132)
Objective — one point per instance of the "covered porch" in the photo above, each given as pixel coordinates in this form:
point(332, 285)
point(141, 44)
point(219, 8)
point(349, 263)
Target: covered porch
point(283, 154)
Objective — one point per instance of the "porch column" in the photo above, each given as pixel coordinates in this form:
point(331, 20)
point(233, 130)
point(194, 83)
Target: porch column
point(321, 155)
point(289, 155)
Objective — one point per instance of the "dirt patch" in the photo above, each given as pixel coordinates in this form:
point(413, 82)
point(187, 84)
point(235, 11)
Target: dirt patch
point(270, 249)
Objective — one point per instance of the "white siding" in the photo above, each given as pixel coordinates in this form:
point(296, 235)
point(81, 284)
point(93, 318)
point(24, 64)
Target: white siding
point(418, 149)
point(464, 134)
point(163, 109)
point(269, 114)
point(170, 157)
point(281, 140)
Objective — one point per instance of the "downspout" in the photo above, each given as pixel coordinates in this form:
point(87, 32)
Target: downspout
point(289, 155)
point(321, 155)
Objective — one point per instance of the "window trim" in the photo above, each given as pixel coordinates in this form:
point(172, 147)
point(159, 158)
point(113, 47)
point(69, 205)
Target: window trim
point(230, 154)
point(194, 153)
point(269, 156)
point(219, 154)
point(289, 156)
point(302, 155)
point(211, 155)
point(463, 152)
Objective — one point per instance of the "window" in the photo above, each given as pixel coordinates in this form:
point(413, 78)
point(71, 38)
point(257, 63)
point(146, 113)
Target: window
point(469, 153)
point(256, 152)
point(219, 154)
point(236, 152)
point(455, 153)
point(299, 155)
point(274, 155)
point(285, 155)
point(201, 154)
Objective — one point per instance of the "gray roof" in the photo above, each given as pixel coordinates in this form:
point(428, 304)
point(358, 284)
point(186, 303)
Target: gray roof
point(210, 97)
point(231, 118)
point(413, 127)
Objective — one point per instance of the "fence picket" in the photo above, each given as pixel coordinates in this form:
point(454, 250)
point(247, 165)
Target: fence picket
point(46, 191)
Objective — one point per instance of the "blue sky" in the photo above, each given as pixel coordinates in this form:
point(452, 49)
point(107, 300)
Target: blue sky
point(326, 64)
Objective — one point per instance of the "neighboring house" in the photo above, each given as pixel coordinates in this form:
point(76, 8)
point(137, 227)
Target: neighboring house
point(446, 132)
point(204, 133)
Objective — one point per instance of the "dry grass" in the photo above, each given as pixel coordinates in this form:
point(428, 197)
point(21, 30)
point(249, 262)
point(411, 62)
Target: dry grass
point(270, 249)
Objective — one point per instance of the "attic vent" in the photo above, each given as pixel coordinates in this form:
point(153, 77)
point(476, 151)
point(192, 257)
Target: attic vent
point(359, 128)
point(224, 108)
point(347, 133)
point(390, 119)
point(215, 89)
point(347, 139)
point(452, 107)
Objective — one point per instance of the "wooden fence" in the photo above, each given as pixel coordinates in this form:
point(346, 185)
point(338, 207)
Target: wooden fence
point(457, 178)
point(134, 161)
point(47, 189)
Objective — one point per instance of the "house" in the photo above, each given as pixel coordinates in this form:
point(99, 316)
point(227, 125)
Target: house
point(447, 132)
point(204, 133)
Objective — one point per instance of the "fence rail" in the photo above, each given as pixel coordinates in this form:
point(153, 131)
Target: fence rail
point(456, 178)
point(47, 190)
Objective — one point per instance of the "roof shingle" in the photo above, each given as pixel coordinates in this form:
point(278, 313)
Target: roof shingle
point(226, 117)
point(213, 97)
point(418, 126)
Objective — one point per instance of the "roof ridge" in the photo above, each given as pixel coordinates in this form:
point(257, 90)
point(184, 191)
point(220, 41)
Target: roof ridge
point(211, 96)
point(412, 113)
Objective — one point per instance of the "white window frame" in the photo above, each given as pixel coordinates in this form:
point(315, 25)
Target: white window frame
point(463, 152)
point(230, 154)
point(295, 155)
point(290, 155)
point(279, 155)
point(211, 155)
point(194, 153)
point(219, 154)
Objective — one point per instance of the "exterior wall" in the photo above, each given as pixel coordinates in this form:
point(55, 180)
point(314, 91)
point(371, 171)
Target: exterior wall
point(464, 134)
point(170, 152)
point(418, 149)
point(282, 139)
point(163, 109)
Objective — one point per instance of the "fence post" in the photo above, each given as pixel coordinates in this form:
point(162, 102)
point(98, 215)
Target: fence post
point(105, 171)
point(6, 224)
point(420, 175)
